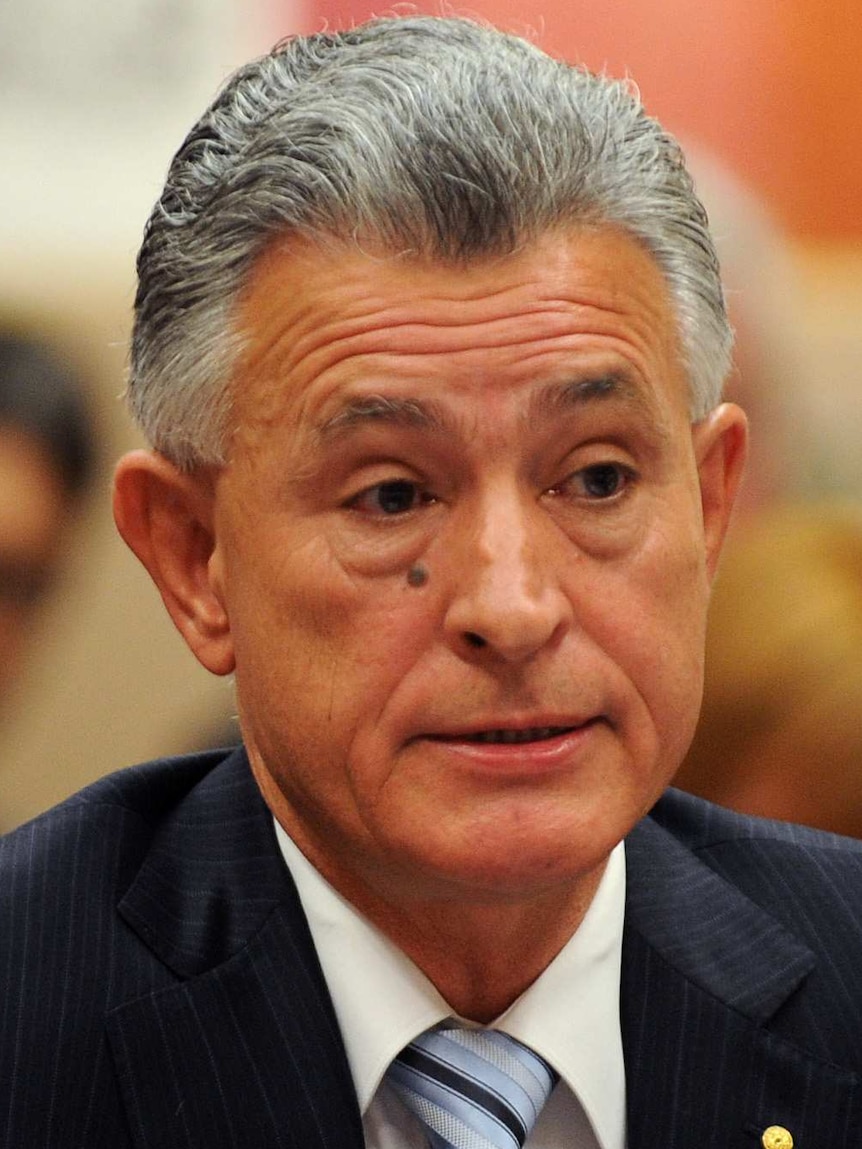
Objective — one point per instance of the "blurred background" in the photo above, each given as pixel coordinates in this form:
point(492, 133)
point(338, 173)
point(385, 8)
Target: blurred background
point(95, 98)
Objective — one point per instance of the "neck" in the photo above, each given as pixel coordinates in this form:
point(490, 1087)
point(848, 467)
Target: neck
point(481, 956)
point(481, 949)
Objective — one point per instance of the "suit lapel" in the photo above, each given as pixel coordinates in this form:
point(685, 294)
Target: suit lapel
point(242, 1048)
point(704, 972)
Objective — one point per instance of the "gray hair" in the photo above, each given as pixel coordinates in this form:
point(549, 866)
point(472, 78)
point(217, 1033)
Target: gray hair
point(436, 136)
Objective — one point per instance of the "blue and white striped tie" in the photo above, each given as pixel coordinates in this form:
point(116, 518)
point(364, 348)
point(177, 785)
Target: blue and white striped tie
point(472, 1088)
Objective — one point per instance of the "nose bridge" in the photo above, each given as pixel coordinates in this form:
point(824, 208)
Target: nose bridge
point(506, 549)
point(506, 589)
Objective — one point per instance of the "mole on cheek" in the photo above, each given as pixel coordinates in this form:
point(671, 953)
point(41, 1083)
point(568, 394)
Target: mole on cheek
point(417, 575)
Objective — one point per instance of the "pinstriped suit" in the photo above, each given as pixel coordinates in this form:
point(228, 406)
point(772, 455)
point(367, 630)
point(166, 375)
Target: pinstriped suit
point(160, 988)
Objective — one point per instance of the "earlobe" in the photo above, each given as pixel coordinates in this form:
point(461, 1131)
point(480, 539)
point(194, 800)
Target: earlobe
point(720, 444)
point(165, 517)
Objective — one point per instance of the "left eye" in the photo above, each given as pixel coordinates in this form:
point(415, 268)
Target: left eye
point(395, 497)
point(598, 482)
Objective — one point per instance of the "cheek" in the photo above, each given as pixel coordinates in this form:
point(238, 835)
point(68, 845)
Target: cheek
point(320, 642)
point(674, 674)
point(655, 633)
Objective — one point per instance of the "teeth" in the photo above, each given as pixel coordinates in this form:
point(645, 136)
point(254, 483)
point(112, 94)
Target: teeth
point(535, 734)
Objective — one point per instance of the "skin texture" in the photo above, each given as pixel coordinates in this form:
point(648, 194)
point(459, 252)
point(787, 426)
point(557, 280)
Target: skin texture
point(519, 428)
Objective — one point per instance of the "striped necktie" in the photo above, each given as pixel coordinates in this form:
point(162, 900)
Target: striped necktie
point(472, 1088)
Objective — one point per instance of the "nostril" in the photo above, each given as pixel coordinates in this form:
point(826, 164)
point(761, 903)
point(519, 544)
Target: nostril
point(475, 640)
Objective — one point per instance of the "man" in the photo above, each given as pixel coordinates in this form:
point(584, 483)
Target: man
point(429, 345)
point(46, 459)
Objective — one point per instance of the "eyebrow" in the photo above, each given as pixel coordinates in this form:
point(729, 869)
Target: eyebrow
point(392, 410)
point(427, 415)
point(558, 398)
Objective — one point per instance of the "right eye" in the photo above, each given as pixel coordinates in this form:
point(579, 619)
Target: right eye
point(598, 483)
point(393, 497)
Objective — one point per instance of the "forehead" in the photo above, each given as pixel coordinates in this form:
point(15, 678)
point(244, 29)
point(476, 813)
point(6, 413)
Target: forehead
point(321, 328)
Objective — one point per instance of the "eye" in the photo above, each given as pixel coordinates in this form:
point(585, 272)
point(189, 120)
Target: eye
point(603, 481)
point(394, 497)
point(597, 483)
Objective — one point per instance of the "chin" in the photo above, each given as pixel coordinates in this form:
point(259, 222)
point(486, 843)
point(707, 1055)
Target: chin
point(514, 873)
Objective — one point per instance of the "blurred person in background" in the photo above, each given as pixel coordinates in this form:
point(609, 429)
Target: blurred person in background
point(780, 732)
point(46, 460)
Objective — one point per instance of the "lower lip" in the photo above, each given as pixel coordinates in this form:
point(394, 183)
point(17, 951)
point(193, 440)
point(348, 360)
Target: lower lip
point(548, 754)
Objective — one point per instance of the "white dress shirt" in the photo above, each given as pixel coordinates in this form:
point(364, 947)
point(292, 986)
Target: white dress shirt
point(569, 1015)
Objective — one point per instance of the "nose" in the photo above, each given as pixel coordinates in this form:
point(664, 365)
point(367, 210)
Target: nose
point(507, 597)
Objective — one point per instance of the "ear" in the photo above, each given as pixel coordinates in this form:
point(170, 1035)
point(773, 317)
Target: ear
point(166, 518)
point(720, 445)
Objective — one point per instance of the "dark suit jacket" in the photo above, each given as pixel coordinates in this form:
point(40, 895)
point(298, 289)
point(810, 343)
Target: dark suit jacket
point(160, 988)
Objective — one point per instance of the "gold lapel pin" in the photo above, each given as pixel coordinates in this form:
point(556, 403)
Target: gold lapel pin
point(776, 1137)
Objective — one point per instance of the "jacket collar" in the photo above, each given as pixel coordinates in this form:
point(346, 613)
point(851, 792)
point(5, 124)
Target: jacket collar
point(706, 929)
point(717, 1038)
point(243, 1047)
point(213, 874)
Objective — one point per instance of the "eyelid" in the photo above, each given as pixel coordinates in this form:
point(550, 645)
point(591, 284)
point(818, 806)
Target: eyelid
point(366, 474)
point(629, 476)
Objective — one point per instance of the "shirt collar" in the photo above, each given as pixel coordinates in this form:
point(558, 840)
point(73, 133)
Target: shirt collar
point(569, 1015)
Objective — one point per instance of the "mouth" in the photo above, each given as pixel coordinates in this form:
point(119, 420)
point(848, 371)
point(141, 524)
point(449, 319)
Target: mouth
point(516, 737)
point(510, 736)
point(518, 751)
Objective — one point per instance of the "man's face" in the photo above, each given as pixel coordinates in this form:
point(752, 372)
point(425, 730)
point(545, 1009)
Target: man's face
point(520, 429)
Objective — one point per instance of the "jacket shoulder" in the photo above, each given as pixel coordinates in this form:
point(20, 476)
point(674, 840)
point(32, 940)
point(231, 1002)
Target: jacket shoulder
point(68, 955)
point(809, 880)
point(98, 833)
point(703, 826)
